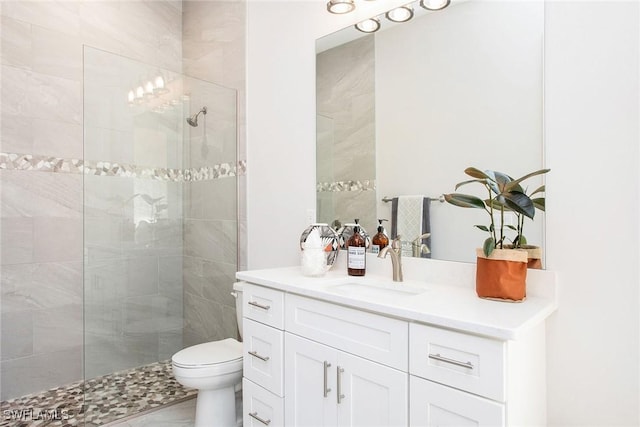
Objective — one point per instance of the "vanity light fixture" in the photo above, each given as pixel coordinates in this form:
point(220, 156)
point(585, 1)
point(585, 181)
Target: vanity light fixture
point(434, 4)
point(370, 25)
point(340, 6)
point(400, 14)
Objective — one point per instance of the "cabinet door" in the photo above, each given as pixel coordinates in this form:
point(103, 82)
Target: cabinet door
point(433, 404)
point(310, 383)
point(370, 394)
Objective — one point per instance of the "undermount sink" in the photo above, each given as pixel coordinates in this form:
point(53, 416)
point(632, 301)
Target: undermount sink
point(397, 289)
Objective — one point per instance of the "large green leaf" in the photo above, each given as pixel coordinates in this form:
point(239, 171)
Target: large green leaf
point(539, 203)
point(513, 183)
point(477, 173)
point(488, 246)
point(464, 200)
point(521, 203)
point(502, 180)
point(481, 181)
point(540, 189)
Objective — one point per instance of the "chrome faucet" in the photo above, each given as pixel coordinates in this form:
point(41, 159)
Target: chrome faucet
point(418, 248)
point(395, 250)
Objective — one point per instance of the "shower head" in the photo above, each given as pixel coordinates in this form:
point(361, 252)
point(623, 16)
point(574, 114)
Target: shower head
point(193, 120)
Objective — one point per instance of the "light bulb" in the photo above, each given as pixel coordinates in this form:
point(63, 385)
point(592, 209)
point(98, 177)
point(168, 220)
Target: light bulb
point(370, 25)
point(148, 89)
point(400, 14)
point(340, 6)
point(159, 86)
point(139, 95)
point(434, 4)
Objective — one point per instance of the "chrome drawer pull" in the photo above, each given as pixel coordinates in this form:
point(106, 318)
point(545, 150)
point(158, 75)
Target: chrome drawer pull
point(255, 304)
point(340, 395)
point(255, 416)
point(255, 354)
point(467, 365)
point(326, 368)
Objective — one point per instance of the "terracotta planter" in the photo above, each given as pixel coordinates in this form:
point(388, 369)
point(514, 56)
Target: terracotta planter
point(534, 255)
point(502, 275)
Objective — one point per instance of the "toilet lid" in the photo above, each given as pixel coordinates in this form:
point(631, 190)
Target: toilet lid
point(209, 353)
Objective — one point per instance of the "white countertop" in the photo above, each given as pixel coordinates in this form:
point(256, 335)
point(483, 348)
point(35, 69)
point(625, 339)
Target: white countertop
point(441, 302)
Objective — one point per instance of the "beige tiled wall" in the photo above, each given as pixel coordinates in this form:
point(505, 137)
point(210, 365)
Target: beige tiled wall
point(214, 50)
point(42, 212)
point(346, 150)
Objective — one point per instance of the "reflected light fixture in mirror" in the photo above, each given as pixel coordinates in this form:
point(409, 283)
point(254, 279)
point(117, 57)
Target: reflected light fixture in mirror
point(370, 25)
point(434, 4)
point(400, 14)
point(340, 6)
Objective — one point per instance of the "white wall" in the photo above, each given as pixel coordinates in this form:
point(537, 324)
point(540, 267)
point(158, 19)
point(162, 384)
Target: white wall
point(592, 211)
point(591, 125)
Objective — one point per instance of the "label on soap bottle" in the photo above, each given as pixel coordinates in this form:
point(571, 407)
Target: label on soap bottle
point(375, 249)
point(356, 257)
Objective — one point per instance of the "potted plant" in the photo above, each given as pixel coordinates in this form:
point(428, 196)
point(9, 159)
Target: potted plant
point(501, 266)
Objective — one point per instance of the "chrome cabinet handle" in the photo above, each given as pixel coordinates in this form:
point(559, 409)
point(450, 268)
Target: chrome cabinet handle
point(437, 356)
point(256, 304)
point(326, 390)
point(255, 354)
point(340, 395)
point(255, 416)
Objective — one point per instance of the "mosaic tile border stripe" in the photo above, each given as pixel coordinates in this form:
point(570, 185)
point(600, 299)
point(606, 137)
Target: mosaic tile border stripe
point(338, 186)
point(32, 162)
point(97, 401)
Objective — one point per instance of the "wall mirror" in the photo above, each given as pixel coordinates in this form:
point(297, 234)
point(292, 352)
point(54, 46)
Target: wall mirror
point(403, 111)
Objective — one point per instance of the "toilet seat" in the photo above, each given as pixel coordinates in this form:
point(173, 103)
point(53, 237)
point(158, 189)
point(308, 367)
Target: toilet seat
point(219, 357)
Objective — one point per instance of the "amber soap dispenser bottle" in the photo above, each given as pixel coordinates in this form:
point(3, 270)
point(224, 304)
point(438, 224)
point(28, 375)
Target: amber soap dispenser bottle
point(356, 257)
point(380, 240)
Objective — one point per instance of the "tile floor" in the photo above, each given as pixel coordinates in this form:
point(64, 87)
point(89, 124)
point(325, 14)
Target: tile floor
point(99, 401)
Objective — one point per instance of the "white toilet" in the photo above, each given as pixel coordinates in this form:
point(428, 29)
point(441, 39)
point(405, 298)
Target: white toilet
point(215, 369)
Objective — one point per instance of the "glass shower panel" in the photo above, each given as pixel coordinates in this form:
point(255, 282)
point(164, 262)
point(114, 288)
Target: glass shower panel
point(133, 189)
point(160, 224)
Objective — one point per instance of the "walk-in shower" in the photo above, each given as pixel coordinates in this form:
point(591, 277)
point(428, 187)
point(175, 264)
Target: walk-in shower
point(160, 220)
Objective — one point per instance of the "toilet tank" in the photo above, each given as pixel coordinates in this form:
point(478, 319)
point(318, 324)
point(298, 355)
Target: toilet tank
point(237, 294)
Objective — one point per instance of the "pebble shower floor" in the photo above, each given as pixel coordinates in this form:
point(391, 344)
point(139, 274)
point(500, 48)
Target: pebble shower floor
point(98, 401)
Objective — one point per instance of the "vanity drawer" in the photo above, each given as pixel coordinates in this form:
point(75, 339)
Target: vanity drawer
point(264, 305)
point(467, 362)
point(261, 408)
point(263, 355)
point(433, 404)
point(371, 336)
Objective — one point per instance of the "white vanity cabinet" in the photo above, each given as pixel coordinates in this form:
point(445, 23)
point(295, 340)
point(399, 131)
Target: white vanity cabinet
point(314, 359)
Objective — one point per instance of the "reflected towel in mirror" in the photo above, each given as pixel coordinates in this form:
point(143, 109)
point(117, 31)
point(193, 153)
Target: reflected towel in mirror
point(409, 220)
